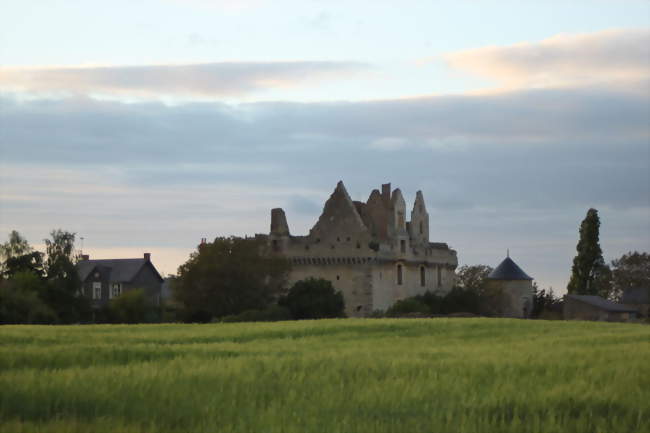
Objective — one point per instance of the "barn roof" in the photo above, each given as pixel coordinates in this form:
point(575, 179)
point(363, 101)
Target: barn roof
point(602, 303)
point(122, 270)
point(508, 270)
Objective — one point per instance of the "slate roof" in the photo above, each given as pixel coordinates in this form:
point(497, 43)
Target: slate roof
point(122, 270)
point(602, 303)
point(508, 270)
point(636, 295)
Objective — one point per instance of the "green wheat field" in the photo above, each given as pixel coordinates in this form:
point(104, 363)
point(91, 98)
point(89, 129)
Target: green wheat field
point(346, 375)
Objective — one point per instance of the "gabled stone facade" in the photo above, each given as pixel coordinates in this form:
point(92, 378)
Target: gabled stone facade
point(369, 251)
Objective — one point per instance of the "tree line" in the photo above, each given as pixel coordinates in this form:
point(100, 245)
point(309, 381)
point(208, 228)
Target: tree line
point(237, 279)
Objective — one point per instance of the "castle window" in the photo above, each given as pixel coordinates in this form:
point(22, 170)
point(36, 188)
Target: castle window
point(338, 277)
point(358, 245)
point(97, 290)
point(402, 246)
point(275, 244)
point(422, 276)
point(399, 275)
point(358, 307)
point(338, 239)
point(439, 276)
point(347, 239)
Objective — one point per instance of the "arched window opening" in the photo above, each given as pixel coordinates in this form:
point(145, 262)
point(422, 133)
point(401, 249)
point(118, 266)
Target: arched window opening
point(399, 275)
point(422, 276)
point(439, 276)
point(402, 245)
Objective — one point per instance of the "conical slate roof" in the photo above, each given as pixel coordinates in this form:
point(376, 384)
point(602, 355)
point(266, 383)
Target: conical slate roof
point(508, 270)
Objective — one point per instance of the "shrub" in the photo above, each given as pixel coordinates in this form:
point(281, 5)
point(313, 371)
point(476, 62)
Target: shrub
point(132, 306)
point(408, 306)
point(274, 313)
point(313, 299)
point(460, 300)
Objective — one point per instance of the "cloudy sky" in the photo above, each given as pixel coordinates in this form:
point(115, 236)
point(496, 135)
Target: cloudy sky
point(147, 125)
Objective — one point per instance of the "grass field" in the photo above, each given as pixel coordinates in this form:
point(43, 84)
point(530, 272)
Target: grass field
point(420, 375)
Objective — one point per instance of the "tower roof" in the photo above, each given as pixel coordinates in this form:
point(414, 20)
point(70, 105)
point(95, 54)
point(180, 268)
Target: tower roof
point(508, 270)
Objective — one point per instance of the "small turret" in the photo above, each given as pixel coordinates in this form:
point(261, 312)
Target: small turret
point(279, 226)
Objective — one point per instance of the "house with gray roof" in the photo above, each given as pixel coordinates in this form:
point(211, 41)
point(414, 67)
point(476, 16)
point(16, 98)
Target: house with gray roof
point(105, 279)
point(590, 307)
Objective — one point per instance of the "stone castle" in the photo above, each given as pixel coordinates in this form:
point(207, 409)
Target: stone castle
point(369, 251)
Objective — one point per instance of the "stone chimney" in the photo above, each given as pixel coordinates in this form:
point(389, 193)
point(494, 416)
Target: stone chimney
point(385, 193)
point(147, 257)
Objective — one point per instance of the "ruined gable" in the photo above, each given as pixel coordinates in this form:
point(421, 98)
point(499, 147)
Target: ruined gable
point(419, 224)
point(339, 217)
point(377, 215)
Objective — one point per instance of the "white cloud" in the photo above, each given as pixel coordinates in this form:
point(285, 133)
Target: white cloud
point(563, 60)
point(187, 80)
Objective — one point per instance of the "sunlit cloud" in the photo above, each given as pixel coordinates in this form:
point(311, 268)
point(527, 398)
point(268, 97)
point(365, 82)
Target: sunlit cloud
point(605, 57)
point(186, 80)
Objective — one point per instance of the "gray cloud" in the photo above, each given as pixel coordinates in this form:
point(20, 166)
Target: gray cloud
point(197, 80)
point(513, 170)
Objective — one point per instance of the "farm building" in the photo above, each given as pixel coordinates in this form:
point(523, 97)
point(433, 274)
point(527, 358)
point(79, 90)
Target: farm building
point(105, 279)
point(589, 307)
point(638, 298)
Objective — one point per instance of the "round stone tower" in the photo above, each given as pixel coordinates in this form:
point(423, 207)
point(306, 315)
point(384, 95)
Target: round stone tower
point(512, 290)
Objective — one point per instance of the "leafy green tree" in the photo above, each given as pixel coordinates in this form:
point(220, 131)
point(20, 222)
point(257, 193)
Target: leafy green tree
point(589, 274)
point(20, 300)
point(314, 298)
point(545, 303)
point(64, 285)
point(16, 255)
point(631, 270)
point(472, 277)
point(228, 276)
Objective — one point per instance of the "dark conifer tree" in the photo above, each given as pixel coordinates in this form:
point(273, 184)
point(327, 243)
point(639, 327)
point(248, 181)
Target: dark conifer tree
point(589, 274)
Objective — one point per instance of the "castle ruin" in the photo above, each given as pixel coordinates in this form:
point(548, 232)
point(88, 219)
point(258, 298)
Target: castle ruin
point(369, 251)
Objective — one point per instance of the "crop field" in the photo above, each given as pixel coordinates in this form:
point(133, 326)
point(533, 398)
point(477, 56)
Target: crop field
point(346, 375)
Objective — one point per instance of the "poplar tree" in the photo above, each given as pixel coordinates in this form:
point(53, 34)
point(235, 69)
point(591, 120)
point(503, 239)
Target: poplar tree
point(589, 274)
